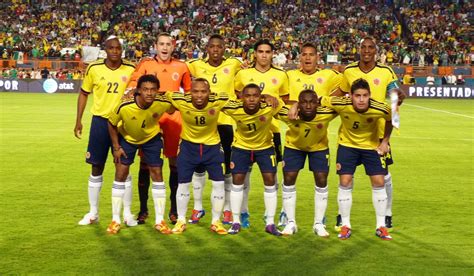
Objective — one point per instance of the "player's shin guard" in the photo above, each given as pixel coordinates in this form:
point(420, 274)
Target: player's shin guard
point(127, 198)
point(227, 187)
point(118, 191)
point(94, 186)
point(270, 200)
point(379, 199)
point(217, 199)
point(289, 201)
point(143, 186)
point(173, 180)
point(158, 192)
point(245, 200)
point(344, 199)
point(199, 181)
point(388, 187)
point(236, 197)
point(320, 203)
point(182, 200)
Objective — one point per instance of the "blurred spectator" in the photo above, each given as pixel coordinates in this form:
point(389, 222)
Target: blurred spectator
point(430, 80)
point(44, 73)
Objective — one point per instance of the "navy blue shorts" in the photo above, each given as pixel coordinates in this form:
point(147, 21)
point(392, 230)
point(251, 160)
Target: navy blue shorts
point(294, 160)
point(193, 156)
point(349, 158)
point(151, 151)
point(99, 141)
point(242, 159)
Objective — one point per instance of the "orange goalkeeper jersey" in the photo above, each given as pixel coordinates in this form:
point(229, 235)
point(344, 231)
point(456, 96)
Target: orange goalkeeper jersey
point(172, 75)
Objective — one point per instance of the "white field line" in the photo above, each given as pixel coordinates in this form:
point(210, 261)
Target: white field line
point(440, 110)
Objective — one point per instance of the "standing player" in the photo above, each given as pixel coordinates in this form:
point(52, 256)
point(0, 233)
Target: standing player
point(359, 143)
point(382, 80)
point(200, 148)
point(306, 137)
point(309, 76)
point(253, 143)
point(173, 75)
point(219, 72)
point(133, 126)
point(106, 80)
point(272, 81)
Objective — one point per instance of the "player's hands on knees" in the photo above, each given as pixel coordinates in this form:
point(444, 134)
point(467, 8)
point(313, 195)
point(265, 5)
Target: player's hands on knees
point(118, 153)
point(383, 148)
point(293, 112)
point(78, 130)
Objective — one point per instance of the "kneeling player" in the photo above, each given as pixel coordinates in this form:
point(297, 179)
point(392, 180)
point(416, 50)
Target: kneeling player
point(253, 143)
point(200, 148)
point(132, 125)
point(306, 137)
point(359, 144)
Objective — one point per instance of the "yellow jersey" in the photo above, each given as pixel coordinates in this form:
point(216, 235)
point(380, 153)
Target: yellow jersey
point(199, 125)
point(106, 85)
point(358, 130)
point(253, 130)
point(381, 79)
point(323, 82)
point(273, 82)
point(138, 125)
point(311, 135)
point(220, 78)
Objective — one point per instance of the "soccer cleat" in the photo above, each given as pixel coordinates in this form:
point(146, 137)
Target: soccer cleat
point(283, 220)
point(290, 229)
point(218, 228)
point(244, 220)
point(142, 216)
point(227, 217)
point(196, 216)
point(89, 219)
point(113, 228)
point(163, 228)
point(271, 229)
point(179, 227)
point(388, 221)
point(382, 232)
point(235, 229)
point(320, 230)
point(338, 223)
point(130, 221)
point(345, 233)
point(173, 218)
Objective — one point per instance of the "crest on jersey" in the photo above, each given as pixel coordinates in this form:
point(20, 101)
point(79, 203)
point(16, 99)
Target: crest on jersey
point(319, 80)
point(274, 81)
point(370, 120)
point(376, 81)
point(211, 111)
point(226, 70)
point(155, 115)
point(175, 76)
point(320, 126)
point(124, 79)
point(262, 118)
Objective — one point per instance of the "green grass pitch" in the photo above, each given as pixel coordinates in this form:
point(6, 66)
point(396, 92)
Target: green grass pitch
point(43, 195)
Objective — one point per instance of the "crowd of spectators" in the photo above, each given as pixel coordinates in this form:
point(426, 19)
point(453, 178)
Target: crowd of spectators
point(38, 73)
point(43, 28)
